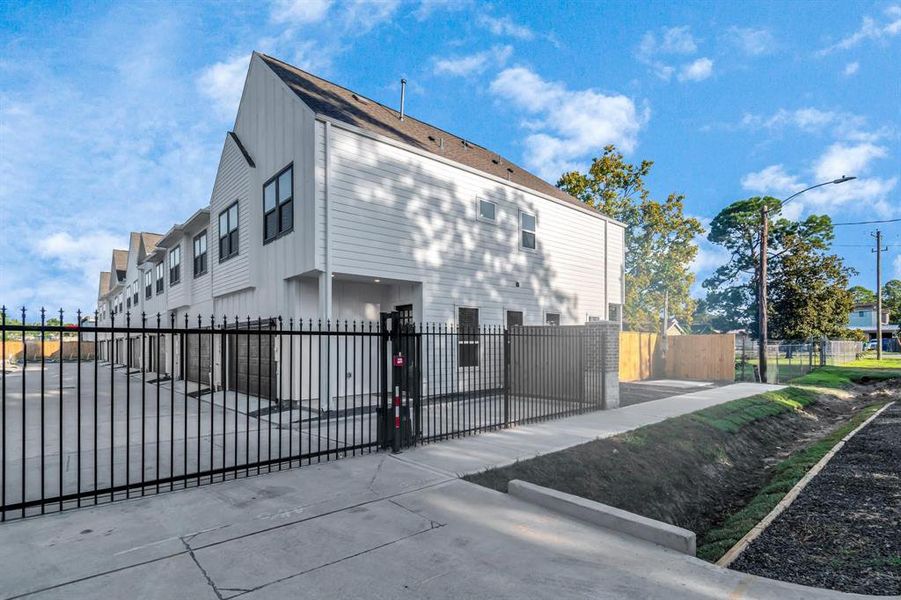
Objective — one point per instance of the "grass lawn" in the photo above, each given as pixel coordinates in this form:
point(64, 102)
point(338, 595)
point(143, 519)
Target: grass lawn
point(866, 370)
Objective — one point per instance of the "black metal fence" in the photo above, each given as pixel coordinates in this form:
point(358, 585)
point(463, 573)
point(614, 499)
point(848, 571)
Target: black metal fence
point(159, 405)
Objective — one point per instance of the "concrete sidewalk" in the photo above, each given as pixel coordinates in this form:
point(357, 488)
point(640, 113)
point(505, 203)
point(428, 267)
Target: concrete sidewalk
point(378, 526)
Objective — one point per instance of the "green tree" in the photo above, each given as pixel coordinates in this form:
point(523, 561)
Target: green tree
point(808, 293)
point(891, 300)
point(862, 295)
point(659, 237)
point(732, 288)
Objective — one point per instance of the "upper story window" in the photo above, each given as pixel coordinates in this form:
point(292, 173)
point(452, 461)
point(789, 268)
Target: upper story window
point(200, 254)
point(135, 290)
point(278, 204)
point(128, 296)
point(527, 239)
point(552, 318)
point(148, 284)
point(158, 271)
point(174, 265)
point(487, 210)
point(228, 232)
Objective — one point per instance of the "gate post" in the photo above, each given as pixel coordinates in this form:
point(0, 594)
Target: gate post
point(506, 376)
point(383, 429)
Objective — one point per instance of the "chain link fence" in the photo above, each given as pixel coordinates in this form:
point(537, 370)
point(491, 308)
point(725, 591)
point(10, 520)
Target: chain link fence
point(787, 360)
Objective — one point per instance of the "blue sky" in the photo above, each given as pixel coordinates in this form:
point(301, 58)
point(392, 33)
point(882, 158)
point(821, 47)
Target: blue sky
point(112, 116)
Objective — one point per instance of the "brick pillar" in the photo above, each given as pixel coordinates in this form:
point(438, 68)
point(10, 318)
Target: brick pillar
point(601, 349)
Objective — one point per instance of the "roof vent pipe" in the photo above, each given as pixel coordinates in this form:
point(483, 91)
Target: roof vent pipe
point(403, 93)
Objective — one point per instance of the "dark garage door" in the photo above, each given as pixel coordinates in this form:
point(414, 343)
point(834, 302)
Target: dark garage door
point(251, 368)
point(198, 357)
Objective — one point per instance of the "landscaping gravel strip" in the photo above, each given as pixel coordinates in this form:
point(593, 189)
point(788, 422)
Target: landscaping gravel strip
point(843, 532)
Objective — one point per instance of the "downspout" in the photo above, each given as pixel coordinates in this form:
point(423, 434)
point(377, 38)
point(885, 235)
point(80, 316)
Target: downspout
point(327, 299)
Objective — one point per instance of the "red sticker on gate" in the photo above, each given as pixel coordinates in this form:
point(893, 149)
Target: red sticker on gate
point(399, 360)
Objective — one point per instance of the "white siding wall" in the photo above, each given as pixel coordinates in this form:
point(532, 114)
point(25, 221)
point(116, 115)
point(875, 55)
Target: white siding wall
point(232, 183)
point(397, 214)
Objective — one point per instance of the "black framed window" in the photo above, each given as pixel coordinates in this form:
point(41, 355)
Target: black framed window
point(527, 227)
point(174, 265)
point(158, 271)
point(514, 318)
point(468, 341)
point(135, 292)
point(228, 232)
point(128, 296)
point(552, 318)
point(487, 210)
point(200, 254)
point(278, 204)
point(148, 284)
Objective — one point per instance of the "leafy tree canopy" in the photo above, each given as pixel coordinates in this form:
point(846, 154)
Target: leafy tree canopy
point(659, 238)
point(862, 295)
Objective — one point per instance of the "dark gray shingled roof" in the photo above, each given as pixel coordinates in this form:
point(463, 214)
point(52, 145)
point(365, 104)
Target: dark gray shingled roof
point(331, 100)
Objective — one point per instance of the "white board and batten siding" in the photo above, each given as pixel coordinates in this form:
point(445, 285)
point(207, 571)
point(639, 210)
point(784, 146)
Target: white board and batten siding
point(399, 214)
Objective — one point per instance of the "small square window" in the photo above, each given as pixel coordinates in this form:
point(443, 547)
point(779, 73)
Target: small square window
point(552, 318)
point(487, 210)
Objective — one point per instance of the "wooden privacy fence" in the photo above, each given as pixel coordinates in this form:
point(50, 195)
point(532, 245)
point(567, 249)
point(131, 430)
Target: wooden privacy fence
point(693, 357)
point(31, 349)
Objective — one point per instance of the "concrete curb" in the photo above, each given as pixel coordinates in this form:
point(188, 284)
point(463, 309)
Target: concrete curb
point(615, 519)
point(735, 551)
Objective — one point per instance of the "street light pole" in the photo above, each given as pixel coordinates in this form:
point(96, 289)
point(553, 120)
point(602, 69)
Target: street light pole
point(762, 272)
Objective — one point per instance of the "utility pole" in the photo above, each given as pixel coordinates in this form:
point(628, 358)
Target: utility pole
point(879, 249)
point(761, 295)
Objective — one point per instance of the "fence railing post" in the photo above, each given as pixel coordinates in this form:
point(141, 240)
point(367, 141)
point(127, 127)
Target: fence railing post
point(506, 351)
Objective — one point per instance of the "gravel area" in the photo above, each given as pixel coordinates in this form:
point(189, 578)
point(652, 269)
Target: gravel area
point(843, 532)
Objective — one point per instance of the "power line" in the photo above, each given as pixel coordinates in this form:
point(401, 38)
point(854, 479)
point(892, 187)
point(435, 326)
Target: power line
point(867, 222)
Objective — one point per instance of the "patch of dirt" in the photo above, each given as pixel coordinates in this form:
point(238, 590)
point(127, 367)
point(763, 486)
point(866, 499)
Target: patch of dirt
point(681, 471)
point(843, 532)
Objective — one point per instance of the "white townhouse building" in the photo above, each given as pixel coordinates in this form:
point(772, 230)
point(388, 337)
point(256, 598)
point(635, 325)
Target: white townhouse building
point(329, 205)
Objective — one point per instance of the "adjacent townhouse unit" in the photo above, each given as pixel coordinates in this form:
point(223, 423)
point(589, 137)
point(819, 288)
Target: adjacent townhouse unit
point(330, 206)
point(864, 317)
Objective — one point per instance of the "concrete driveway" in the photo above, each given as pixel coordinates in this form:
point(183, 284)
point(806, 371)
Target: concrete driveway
point(378, 526)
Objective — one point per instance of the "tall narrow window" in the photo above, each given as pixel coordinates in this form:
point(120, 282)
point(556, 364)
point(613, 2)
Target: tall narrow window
point(135, 292)
point(128, 296)
point(528, 239)
point(468, 337)
point(228, 232)
point(278, 204)
point(174, 265)
point(148, 284)
point(158, 271)
point(200, 254)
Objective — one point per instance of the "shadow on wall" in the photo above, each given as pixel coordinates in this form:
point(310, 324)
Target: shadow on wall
point(480, 263)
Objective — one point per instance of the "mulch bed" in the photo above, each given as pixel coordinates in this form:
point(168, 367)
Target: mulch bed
point(843, 532)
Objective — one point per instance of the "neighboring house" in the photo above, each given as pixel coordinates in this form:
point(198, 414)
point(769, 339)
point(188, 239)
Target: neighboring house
point(328, 205)
point(675, 328)
point(863, 317)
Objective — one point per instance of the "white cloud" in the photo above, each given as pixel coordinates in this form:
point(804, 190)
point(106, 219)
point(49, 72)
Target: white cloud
point(672, 40)
point(505, 26)
point(361, 16)
point(656, 50)
point(870, 29)
point(299, 12)
point(223, 83)
point(867, 193)
point(851, 68)
point(753, 42)
point(567, 125)
point(697, 70)
point(897, 264)
point(474, 63)
point(810, 119)
point(842, 159)
point(771, 179)
point(427, 7)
